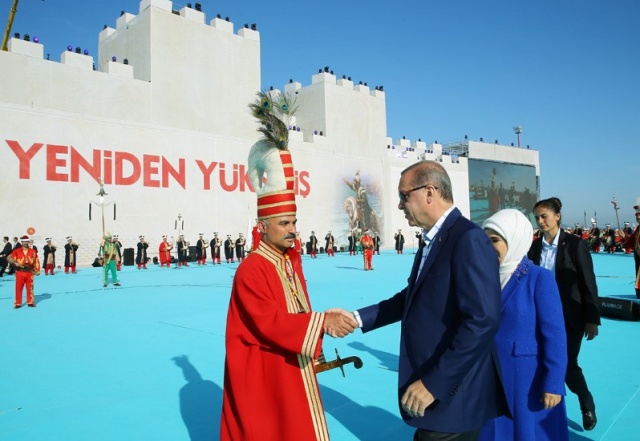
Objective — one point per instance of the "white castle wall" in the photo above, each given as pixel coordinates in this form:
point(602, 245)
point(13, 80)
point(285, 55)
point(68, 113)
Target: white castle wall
point(170, 133)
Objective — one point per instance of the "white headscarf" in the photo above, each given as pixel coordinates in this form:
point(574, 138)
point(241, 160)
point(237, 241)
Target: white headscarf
point(517, 232)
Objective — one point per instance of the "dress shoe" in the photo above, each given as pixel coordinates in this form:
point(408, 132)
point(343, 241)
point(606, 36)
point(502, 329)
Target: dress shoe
point(589, 419)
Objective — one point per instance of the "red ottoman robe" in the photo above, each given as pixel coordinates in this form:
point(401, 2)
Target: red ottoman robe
point(270, 388)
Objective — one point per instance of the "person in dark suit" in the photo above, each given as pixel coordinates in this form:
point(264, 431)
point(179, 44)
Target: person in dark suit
point(569, 259)
point(399, 238)
point(4, 254)
point(353, 240)
point(449, 375)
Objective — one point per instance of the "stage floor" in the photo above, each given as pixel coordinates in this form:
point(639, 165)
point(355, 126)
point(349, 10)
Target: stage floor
point(145, 360)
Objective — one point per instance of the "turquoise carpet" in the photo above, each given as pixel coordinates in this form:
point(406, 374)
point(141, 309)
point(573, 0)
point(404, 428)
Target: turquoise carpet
point(144, 361)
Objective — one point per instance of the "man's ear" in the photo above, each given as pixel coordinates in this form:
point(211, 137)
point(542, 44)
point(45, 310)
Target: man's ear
point(262, 226)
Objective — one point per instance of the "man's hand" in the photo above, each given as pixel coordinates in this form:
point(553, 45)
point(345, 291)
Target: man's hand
point(339, 323)
point(590, 330)
point(550, 400)
point(416, 399)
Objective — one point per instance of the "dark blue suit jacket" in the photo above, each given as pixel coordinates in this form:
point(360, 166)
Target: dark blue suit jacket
point(450, 316)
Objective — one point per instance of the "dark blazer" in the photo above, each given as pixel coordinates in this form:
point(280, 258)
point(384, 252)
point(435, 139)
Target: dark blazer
point(450, 316)
point(576, 280)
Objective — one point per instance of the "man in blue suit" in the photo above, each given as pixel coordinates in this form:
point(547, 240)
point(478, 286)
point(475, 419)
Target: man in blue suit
point(449, 375)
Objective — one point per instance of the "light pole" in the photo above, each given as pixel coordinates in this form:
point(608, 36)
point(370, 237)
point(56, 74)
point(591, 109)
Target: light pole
point(518, 131)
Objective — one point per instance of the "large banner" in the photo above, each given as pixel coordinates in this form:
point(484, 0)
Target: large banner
point(52, 166)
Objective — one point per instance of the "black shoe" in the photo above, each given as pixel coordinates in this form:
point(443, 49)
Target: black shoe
point(17, 306)
point(105, 285)
point(31, 305)
point(589, 419)
point(116, 284)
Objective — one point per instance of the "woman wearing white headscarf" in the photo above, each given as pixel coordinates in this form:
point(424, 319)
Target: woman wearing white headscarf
point(531, 341)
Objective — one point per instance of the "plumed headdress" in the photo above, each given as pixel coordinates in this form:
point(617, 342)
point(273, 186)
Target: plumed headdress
point(270, 156)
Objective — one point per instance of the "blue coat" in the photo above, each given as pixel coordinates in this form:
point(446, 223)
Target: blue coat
point(532, 347)
point(450, 316)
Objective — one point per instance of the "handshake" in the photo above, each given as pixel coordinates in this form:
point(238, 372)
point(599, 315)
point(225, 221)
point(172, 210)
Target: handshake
point(339, 322)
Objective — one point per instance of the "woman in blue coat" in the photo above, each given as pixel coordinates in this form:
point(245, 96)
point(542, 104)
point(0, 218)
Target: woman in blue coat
point(531, 341)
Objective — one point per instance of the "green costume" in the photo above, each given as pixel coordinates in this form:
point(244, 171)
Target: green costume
point(109, 253)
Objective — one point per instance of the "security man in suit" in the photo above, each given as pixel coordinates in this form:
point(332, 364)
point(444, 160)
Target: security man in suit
point(569, 259)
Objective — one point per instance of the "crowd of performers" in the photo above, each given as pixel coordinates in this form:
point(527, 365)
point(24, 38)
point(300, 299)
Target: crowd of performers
point(25, 263)
point(214, 248)
point(236, 249)
point(49, 250)
point(607, 239)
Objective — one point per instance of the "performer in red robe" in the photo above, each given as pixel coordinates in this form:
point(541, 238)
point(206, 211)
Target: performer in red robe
point(164, 252)
point(627, 231)
point(27, 264)
point(297, 244)
point(367, 247)
point(633, 241)
point(273, 338)
point(255, 237)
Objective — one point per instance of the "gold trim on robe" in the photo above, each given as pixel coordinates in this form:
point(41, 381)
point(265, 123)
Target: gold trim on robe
point(297, 303)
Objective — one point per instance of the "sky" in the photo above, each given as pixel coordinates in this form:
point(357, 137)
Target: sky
point(566, 71)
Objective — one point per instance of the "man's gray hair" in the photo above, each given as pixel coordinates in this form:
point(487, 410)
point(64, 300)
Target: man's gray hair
point(431, 172)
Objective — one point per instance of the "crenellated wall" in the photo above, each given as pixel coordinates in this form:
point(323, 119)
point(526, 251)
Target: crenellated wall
point(169, 133)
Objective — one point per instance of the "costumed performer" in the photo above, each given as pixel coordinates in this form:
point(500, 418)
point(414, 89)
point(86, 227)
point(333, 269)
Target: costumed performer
point(70, 250)
point(632, 242)
point(273, 338)
point(164, 252)
point(27, 264)
point(141, 254)
point(49, 257)
point(109, 254)
point(367, 247)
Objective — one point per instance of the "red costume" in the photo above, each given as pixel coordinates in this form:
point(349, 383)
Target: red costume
point(297, 245)
point(255, 238)
point(367, 248)
point(27, 265)
point(633, 242)
point(164, 253)
point(270, 327)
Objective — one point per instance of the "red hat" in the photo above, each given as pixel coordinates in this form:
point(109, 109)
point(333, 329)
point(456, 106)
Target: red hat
point(271, 156)
point(24, 238)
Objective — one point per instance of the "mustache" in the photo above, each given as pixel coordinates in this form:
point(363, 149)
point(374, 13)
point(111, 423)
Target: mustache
point(290, 236)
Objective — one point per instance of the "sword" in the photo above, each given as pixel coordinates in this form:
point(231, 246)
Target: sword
point(339, 363)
